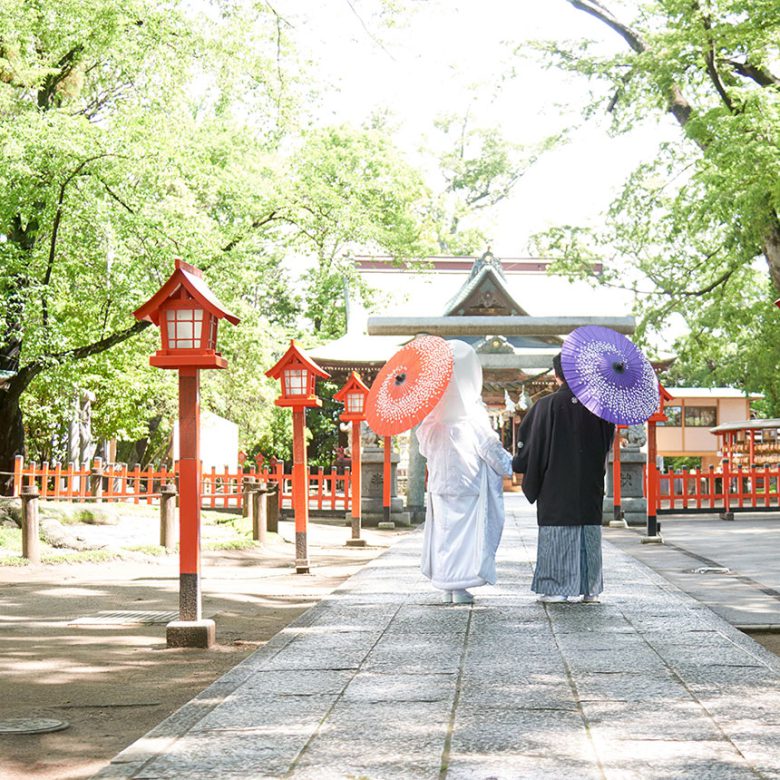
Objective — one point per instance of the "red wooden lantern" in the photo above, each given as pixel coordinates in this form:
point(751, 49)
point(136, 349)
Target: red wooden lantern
point(298, 373)
point(353, 396)
point(658, 415)
point(187, 313)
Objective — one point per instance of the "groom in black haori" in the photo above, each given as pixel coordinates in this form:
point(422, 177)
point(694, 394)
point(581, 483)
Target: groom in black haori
point(562, 454)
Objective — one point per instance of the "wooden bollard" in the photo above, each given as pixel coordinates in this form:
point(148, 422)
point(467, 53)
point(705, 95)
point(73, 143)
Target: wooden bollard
point(272, 509)
point(96, 479)
point(259, 513)
point(246, 499)
point(168, 516)
point(31, 546)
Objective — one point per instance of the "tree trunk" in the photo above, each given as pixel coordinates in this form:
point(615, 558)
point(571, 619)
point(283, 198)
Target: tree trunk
point(772, 253)
point(11, 427)
point(11, 433)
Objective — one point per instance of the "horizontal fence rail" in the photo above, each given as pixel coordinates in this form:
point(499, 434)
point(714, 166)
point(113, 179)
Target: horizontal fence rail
point(223, 488)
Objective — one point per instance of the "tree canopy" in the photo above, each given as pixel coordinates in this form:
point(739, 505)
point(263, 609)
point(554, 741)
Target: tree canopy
point(690, 224)
point(132, 133)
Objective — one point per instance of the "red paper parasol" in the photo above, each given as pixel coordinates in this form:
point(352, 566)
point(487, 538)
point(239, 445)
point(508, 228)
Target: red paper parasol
point(409, 385)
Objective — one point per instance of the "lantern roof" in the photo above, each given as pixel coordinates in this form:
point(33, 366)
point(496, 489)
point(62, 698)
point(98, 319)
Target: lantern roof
point(191, 279)
point(354, 383)
point(664, 397)
point(295, 354)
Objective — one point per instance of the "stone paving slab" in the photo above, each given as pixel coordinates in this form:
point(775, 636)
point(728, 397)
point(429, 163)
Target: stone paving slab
point(383, 680)
point(695, 547)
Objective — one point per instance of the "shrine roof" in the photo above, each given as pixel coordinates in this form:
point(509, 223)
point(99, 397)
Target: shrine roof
point(487, 269)
point(359, 348)
point(710, 392)
point(745, 425)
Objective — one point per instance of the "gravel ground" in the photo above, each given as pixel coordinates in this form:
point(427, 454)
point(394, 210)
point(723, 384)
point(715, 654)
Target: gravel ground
point(111, 683)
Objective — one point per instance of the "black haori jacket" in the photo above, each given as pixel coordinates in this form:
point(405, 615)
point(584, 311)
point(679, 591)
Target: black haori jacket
point(562, 453)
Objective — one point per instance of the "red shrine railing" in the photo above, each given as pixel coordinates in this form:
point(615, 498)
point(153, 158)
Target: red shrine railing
point(220, 488)
point(744, 489)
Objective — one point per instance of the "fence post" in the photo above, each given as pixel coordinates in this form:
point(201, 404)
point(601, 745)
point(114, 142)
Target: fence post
point(18, 468)
point(753, 471)
point(767, 477)
point(711, 486)
point(31, 546)
point(259, 513)
point(96, 479)
point(726, 514)
point(168, 516)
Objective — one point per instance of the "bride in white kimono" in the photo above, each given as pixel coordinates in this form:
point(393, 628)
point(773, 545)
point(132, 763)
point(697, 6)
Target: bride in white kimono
point(465, 503)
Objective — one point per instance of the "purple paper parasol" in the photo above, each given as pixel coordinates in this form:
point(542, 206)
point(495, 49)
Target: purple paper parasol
point(609, 375)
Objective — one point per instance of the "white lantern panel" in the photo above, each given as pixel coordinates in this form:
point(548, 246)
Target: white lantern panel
point(185, 328)
point(355, 402)
point(295, 381)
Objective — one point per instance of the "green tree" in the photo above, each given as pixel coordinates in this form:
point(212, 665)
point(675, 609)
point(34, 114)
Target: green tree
point(123, 145)
point(480, 169)
point(689, 224)
point(350, 190)
point(735, 342)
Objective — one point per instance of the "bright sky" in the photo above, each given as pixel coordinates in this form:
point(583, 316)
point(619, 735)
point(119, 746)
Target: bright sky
point(427, 68)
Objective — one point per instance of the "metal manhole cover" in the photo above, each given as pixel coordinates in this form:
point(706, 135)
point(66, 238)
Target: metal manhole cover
point(31, 725)
point(127, 618)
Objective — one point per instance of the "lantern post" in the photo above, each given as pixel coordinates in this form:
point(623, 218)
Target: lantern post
point(618, 521)
point(387, 475)
point(653, 526)
point(298, 373)
point(353, 396)
point(188, 313)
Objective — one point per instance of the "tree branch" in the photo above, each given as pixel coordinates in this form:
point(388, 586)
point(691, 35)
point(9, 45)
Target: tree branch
point(763, 78)
point(79, 353)
point(258, 223)
point(55, 231)
point(722, 279)
point(116, 197)
point(709, 59)
point(679, 107)
point(66, 65)
point(598, 11)
point(368, 32)
point(19, 383)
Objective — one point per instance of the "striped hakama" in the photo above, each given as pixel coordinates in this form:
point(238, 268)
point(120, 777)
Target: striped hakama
point(568, 561)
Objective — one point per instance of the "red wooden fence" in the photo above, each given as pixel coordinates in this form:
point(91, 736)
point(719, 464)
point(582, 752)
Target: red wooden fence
point(219, 488)
point(746, 489)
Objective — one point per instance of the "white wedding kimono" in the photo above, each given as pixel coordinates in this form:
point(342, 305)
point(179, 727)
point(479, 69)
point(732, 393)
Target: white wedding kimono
point(466, 463)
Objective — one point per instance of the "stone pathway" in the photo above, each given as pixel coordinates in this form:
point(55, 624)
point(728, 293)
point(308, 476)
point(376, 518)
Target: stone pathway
point(381, 680)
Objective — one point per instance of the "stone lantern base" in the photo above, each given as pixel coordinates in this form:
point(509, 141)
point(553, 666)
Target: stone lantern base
point(371, 507)
point(632, 498)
